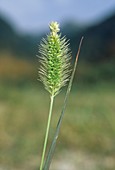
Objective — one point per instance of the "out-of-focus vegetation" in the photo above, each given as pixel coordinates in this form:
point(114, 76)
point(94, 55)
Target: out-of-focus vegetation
point(89, 123)
point(20, 71)
point(13, 69)
point(88, 126)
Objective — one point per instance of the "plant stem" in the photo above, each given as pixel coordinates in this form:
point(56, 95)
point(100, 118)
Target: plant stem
point(47, 132)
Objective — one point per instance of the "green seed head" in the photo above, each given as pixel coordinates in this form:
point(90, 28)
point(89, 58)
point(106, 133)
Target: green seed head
point(54, 60)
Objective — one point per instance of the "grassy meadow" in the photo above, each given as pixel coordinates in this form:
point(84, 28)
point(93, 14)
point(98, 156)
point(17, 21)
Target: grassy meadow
point(87, 136)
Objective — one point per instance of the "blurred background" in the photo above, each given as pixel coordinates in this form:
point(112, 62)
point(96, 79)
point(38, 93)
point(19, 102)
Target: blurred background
point(87, 136)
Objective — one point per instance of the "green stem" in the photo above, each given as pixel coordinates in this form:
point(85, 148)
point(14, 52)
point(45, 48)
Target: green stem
point(47, 132)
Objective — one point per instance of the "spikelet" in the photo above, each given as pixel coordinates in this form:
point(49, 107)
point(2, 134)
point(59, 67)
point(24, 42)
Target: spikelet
point(54, 55)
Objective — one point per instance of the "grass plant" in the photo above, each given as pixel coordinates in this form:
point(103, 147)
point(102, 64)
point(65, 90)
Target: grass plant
point(54, 72)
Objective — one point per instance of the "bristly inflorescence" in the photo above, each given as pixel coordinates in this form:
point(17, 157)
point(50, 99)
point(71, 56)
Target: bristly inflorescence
point(54, 55)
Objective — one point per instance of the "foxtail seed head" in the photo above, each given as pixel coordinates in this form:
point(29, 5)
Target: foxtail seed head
point(54, 57)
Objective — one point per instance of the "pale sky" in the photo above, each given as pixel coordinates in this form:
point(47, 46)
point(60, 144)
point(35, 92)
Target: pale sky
point(35, 15)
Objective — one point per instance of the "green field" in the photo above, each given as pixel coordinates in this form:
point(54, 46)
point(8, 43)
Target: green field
point(88, 126)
